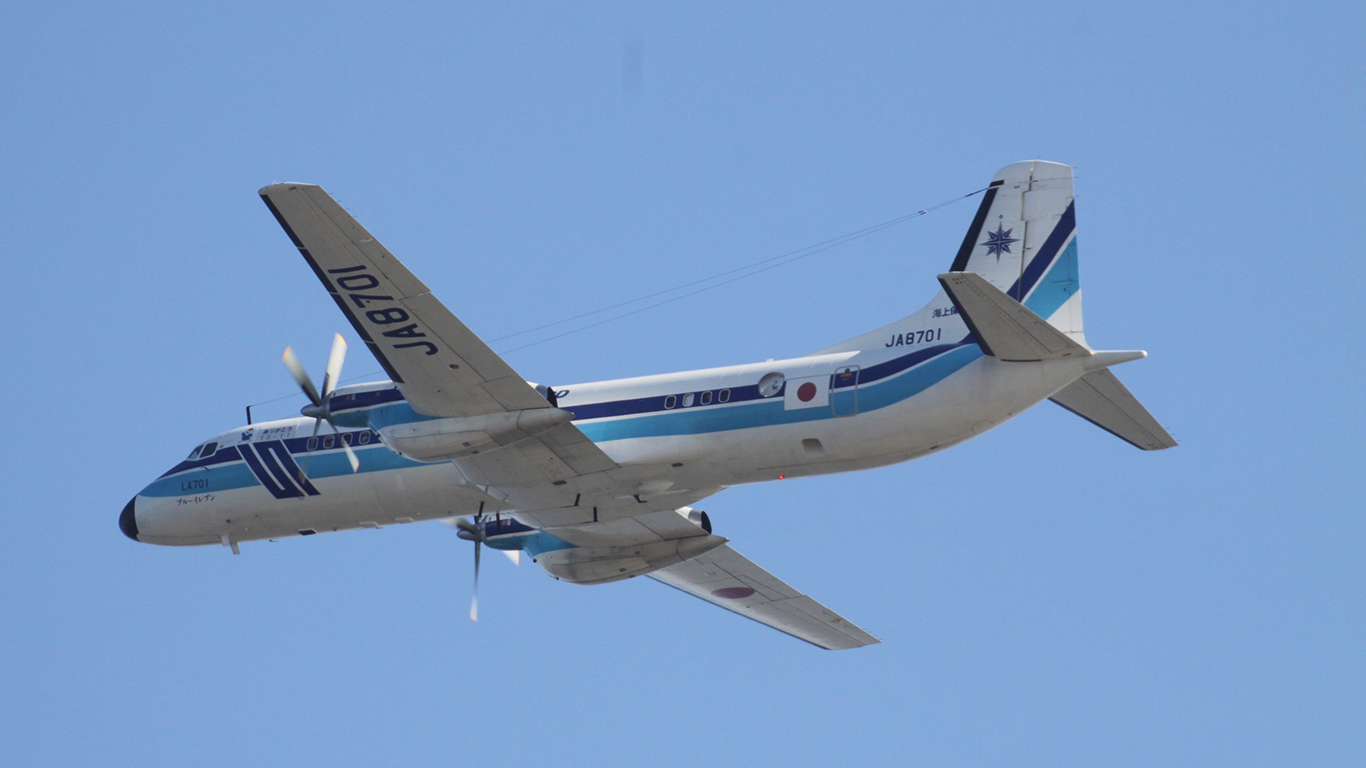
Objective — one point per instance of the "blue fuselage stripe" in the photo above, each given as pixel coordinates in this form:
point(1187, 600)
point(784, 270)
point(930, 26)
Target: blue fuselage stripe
point(699, 420)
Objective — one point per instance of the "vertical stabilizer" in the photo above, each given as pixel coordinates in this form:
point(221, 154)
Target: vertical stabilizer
point(1023, 241)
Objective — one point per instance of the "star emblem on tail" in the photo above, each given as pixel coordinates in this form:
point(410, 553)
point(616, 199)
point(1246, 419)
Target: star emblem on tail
point(998, 242)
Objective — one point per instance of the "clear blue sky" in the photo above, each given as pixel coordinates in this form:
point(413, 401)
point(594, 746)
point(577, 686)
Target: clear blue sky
point(1047, 594)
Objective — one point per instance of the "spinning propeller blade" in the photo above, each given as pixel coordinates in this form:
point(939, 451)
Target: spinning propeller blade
point(318, 408)
point(334, 365)
point(301, 376)
point(345, 444)
point(474, 530)
point(474, 600)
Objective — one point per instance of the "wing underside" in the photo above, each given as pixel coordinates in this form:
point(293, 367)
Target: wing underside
point(726, 578)
point(559, 480)
point(441, 366)
point(444, 369)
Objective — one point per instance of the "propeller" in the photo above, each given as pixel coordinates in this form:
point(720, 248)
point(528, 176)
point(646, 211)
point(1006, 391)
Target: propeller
point(318, 403)
point(473, 531)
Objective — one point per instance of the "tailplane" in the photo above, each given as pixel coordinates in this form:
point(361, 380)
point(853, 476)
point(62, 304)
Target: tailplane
point(1010, 332)
point(1003, 327)
point(1101, 399)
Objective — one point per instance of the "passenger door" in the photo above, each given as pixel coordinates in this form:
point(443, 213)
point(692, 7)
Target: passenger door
point(844, 391)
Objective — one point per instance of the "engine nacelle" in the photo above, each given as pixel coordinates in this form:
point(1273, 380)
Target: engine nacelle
point(598, 566)
point(446, 439)
point(695, 516)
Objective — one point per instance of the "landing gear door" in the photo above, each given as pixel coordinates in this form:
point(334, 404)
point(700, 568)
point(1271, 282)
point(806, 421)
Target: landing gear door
point(844, 391)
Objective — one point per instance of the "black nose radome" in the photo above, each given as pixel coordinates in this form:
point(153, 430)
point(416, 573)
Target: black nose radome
point(128, 522)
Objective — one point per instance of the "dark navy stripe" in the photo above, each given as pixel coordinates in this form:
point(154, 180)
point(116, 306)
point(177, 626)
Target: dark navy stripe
point(221, 456)
point(268, 479)
point(300, 444)
point(642, 405)
point(275, 450)
point(892, 367)
point(272, 465)
point(293, 445)
point(1044, 258)
point(960, 262)
point(656, 403)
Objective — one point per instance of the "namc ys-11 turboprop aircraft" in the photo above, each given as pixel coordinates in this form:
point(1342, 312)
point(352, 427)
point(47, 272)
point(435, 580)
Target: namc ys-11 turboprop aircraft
point(596, 481)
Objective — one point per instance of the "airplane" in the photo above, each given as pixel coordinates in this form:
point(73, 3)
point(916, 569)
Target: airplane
point(596, 482)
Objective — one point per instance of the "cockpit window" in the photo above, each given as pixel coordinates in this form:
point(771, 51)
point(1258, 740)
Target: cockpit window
point(209, 450)
point(194, 452)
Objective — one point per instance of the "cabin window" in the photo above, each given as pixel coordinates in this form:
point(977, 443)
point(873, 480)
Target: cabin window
point(329, 441)
point(670, 401)
point(312, 443)
point(364, 438)
point(706, 398)
point(723, 396)
point(346, 439)
point(208, 451)
point(687, 400)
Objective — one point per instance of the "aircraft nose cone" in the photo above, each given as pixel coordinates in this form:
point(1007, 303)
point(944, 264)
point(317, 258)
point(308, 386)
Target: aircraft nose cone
point(128, 521)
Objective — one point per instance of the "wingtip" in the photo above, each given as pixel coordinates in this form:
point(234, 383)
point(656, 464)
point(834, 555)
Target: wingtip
point(283, 186)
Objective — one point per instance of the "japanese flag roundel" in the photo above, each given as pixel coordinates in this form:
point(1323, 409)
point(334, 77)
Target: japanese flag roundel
point(810, 392)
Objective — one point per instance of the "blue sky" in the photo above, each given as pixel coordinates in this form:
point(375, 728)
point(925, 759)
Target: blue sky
point(1047, 595)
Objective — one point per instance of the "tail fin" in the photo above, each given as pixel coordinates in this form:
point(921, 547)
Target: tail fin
point(1023, 244)
point(1023, 241)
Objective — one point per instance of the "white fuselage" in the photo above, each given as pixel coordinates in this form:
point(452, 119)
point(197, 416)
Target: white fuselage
point(270, 480)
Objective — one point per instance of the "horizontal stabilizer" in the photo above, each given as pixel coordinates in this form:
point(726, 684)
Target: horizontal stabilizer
point(1099, 398)
point(1004, 327)
point(727, 578)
